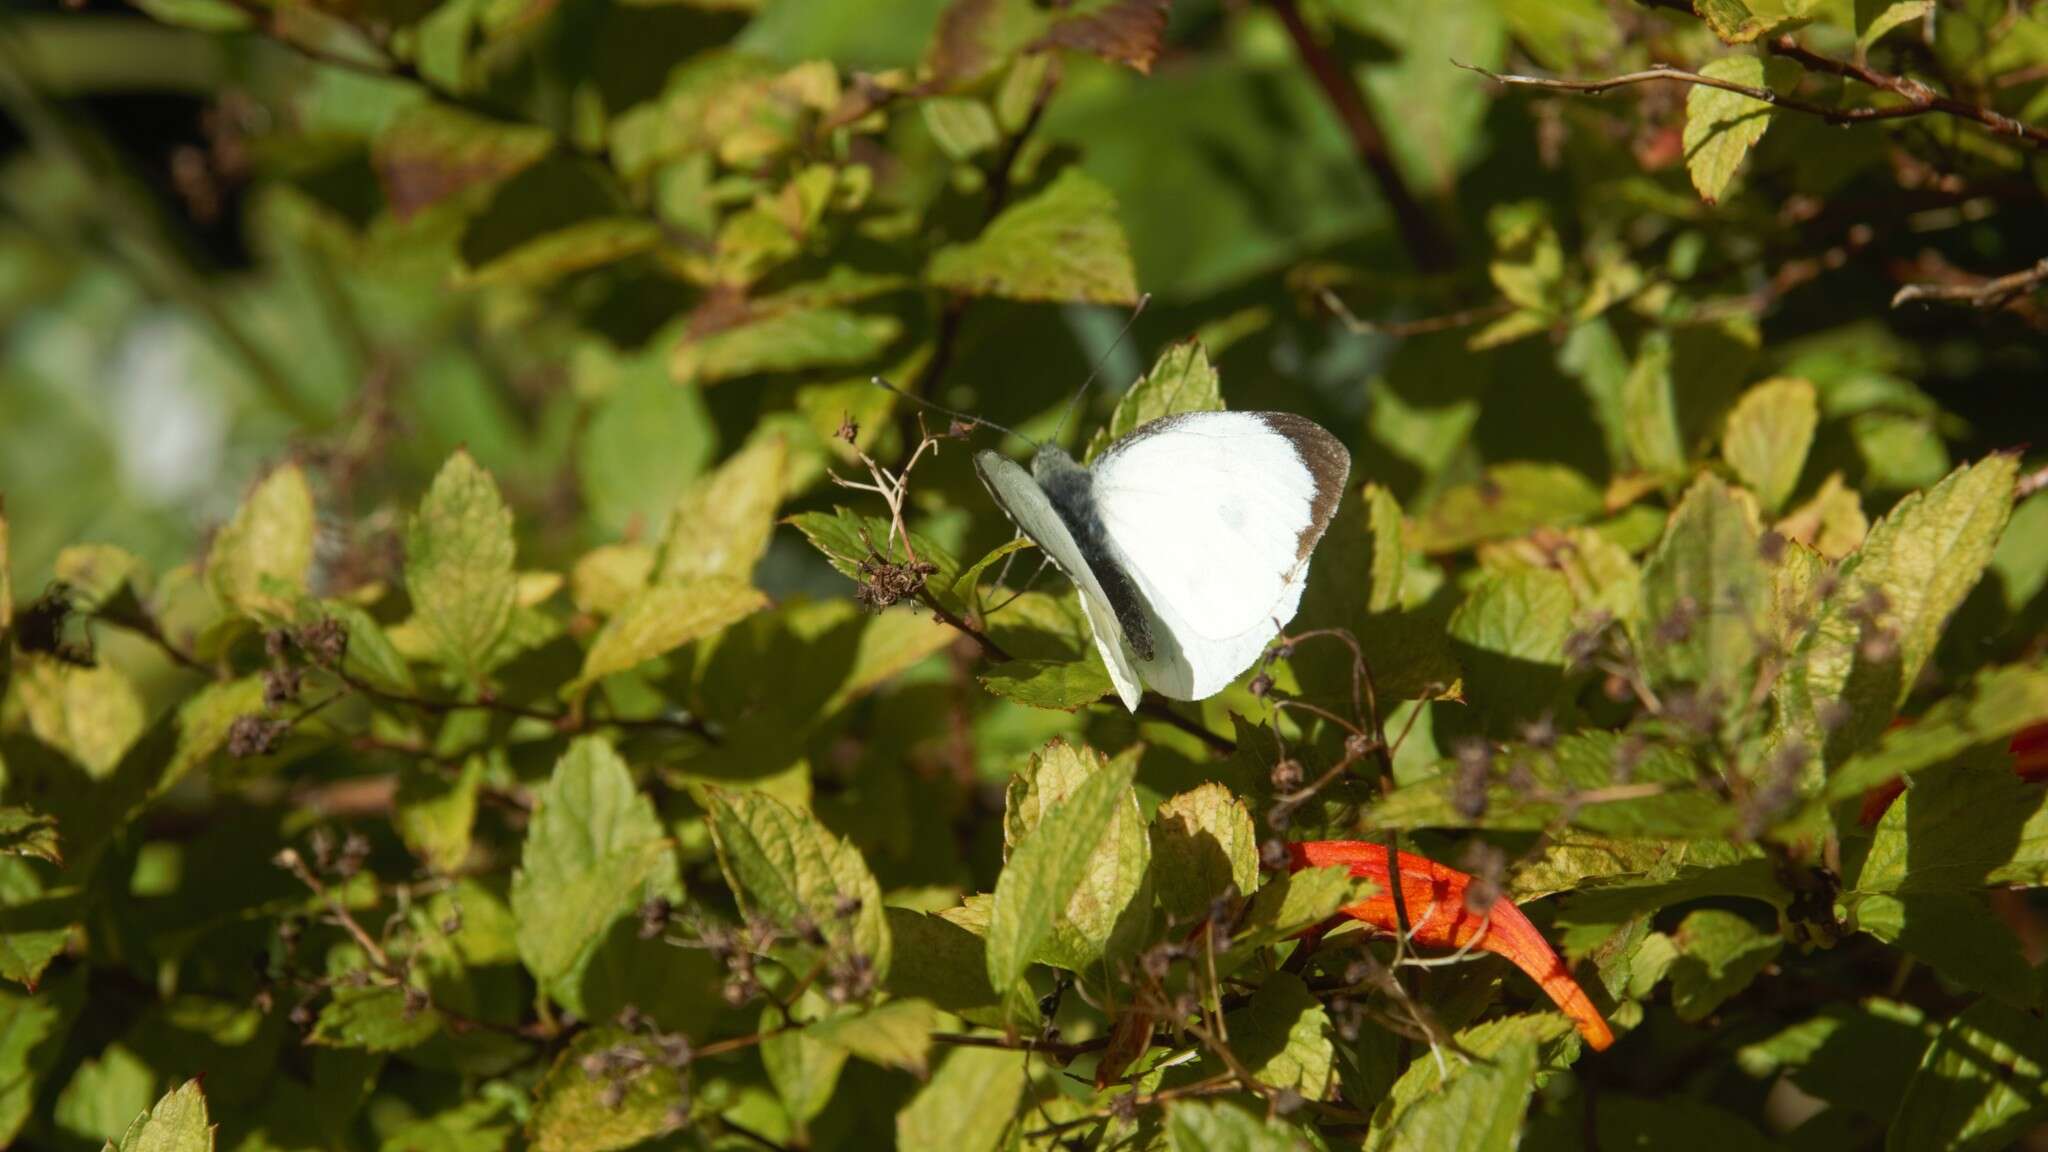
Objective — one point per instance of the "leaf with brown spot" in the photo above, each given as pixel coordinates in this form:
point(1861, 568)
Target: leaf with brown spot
point(1124, 32)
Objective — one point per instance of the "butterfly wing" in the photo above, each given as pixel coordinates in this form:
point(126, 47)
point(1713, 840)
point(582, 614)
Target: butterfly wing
point(1214, 515)
point(1028, 507)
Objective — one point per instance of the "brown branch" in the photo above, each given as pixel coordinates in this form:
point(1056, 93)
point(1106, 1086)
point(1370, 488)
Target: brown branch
point(1427, 243)
point(988, 646)
point(1987, 293)
point(1920, 99)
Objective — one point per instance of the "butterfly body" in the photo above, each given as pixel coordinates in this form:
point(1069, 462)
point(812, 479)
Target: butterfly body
point(1188, 539)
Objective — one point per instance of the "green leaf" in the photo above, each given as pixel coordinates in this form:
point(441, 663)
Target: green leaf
point(962, 127)
point(92, 715)
point(435, 814)
point(1742, 21)
point(785, 866)
point(1767, 437)
point(1282, 1037)
point(786, 341)
point(1895, 15)
point(1705, 595)
point(1203, 845)
point(594, 852)
point(571, 1111)
point(25, 832)
point(895, 1035)
point(1971, 824)
point(1719, 953)
point(936, 959)
point(1065, 685)
point(1289, 904)
point(1104, 908)
point(552, 255)
point(1649, 410)
point(1478, 1109)
point(1979, 1085)
point(431, 152)
point(968, 1103)
point(370, 655)
point(1550, 783)
point(1509, 637)
point(645, 440)
point(1722, 126)
point(458, 566)
point(1068, 858)
point(1920, 561)
point(1062, 244)
point(1181, 380)
point(1512, 499)
point(32, 1027)
point(375, 1018)
point(1389, 566)
point(661, 618)
point(1956, 934)
point(845, 537)
point(2002, 702)
point(1196, 1126)
point(721, 526)
point(178, 1123)
point(270, 539)
point(804, 1070)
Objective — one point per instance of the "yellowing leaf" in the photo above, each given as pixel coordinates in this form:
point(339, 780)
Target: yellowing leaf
point(721, 525)
point(573, 1111)
point(178, 1123)
point(270, 538)
point(664, 617)
point(459, 566)
point(1742, 21)
point(1203, 843)
point(91, 714)
point(968, 1103)
point(784, 866)
point(1063, 244)
point(607, 577)
point(895, 1035)
point(1722, 126)
point(1767, 436)
point(784, 342)
point(1054, 860)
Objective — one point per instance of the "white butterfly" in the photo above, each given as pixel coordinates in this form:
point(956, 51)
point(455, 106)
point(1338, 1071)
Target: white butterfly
point(1188, 539)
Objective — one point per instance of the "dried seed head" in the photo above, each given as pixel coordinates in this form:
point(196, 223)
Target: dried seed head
point(849, 429)
point(1260, 685)
point(1286, 775)
point(654, 917)
point(254, 735)
point(1474, 771)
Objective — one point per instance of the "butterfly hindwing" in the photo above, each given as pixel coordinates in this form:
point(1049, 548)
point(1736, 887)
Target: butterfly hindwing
point(1032, 511)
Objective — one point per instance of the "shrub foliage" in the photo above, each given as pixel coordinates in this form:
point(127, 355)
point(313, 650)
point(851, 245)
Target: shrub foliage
point(493, 671)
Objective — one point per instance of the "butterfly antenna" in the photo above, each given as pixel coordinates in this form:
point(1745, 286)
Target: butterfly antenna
point(1136, 312)
point(953, 412)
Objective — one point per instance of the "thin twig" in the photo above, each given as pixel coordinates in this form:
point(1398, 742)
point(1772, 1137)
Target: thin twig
point(1919, 99)
point(1988, 294)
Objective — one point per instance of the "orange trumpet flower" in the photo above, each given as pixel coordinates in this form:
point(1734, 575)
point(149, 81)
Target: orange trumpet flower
point(1434, 897)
